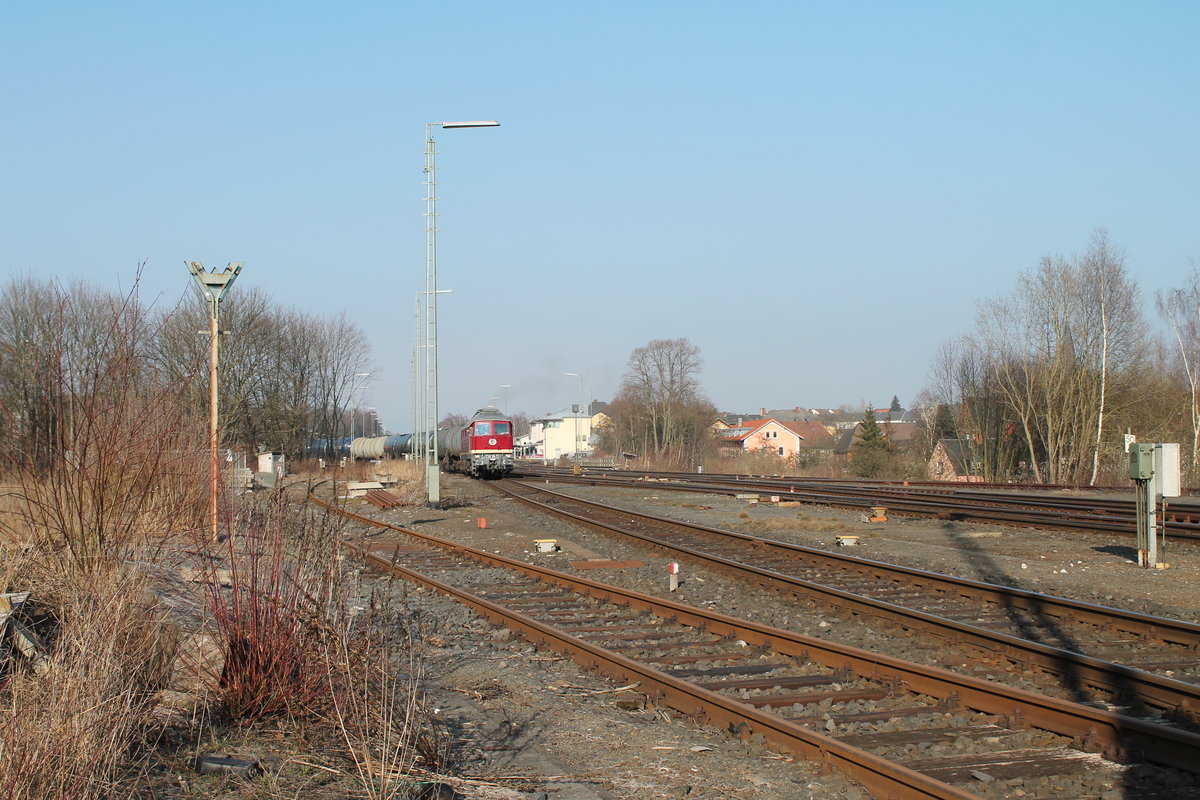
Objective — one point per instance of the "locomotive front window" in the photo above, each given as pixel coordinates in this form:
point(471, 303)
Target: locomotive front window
point(501, 428)
point(483, 428)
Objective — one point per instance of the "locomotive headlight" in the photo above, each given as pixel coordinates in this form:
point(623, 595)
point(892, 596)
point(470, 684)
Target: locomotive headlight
point(492, 442)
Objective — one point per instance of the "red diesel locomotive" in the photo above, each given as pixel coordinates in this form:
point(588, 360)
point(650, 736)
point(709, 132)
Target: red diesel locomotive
point(482, 448)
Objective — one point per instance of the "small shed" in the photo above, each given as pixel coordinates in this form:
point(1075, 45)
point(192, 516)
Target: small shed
point(274, 463)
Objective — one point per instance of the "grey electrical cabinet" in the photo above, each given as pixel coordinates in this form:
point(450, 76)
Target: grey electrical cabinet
point(1141, 461)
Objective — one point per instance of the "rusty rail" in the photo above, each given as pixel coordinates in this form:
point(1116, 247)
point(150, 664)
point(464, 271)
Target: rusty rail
point(1105, 731)
point(1166, 694)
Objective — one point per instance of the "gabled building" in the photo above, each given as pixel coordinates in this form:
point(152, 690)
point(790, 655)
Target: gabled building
point(953, 460)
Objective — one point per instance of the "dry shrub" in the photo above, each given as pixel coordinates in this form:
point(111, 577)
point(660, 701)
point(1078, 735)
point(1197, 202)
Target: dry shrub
point(99, 457)
point(273, 588)
point(76, 730)
point(99, 445)
point(293, 647)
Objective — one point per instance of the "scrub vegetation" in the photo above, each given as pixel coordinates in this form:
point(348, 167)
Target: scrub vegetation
point(144, 644)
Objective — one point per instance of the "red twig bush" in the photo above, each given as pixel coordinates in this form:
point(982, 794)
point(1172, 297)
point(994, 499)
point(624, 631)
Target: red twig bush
point(269, 606)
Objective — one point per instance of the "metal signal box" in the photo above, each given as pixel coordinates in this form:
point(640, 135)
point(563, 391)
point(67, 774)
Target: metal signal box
point(1141, 461)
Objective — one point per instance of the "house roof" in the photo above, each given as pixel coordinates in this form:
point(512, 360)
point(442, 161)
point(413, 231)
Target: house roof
point(734, 420)
point(960, 453)
point(564, 414)
point(900, 433)
point(788, 414)
point(812, 434)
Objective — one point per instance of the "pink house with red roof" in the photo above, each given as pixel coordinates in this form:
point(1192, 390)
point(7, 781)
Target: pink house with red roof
point(775, 437)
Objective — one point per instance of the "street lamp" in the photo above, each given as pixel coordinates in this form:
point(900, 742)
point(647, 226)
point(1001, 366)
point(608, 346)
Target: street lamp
point(505, 387)
point(580, 411)
point(433, 489)
point(213, 286)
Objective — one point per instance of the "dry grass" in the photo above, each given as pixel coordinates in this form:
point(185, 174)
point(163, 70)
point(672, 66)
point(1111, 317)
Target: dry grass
point(800, 522)
point(377, 709)
point(409, 475)
point(80, 729)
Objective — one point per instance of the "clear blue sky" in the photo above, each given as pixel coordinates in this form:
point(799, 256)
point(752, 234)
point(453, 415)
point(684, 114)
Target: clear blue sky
point(814, 193)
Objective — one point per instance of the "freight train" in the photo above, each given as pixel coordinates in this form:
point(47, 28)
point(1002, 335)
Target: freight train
point(482, 448)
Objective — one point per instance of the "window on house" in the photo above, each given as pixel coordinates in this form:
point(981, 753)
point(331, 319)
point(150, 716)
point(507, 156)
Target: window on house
point(781, 451)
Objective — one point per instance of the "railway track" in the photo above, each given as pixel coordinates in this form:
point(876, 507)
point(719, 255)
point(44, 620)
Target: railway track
point(900, 729)
point(1144, 664)
point(1088, 514)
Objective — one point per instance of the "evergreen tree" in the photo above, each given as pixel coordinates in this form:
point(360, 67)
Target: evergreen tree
point(895, 405)
point(873, 450)
point(870, 435)
point(943, 424)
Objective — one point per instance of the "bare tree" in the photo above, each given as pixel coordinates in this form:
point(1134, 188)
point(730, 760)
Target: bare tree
point(1181, 308)
point(284, 374)
point(660, 408)
point(1113, 318)
point(104, 451)
point(1054, 352)
point(339, 351)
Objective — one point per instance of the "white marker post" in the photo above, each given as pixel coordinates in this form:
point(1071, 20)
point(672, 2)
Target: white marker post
point(673, 571)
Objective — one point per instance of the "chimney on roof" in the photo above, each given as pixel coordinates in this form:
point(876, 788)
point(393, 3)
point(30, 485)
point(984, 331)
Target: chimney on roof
point(797, 409)
point(762, 412)
point(739, 422)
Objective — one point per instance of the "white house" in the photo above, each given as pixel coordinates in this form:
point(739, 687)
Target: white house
point(566, 433)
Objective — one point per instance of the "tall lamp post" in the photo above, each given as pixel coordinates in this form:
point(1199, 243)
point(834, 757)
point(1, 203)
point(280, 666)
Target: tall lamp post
point(505, 387)
point(213, 286)
point(421, 426)
point(580, 411)
point(433, 488)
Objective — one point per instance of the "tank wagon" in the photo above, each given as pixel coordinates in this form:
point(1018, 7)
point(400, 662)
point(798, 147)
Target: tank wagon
point(375, 447)
point(482, 448)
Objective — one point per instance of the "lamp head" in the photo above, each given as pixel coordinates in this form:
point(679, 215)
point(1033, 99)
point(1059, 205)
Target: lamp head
point(214, 284)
